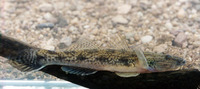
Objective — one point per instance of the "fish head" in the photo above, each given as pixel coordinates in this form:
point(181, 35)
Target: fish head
point(164, 62)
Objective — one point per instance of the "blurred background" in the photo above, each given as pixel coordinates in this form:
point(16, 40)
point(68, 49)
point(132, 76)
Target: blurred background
point(162, 26)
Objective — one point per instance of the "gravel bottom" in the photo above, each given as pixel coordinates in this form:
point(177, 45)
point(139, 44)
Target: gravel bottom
point(171, 26)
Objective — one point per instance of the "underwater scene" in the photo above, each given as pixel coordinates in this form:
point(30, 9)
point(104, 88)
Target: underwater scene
point(99, 44)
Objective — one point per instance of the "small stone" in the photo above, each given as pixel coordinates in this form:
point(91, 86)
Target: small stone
point(197, 6)
point(73, 30)
point(59, 5)
point(181, 13)
point(140, 14)
point(129, 35)
point(49, 47)
point(50, 18)
point(119, 19)
point(175, 32)
point(168, 25)
point(46, 7)
point(75, 21)
point(66, 40)
point(160, 49)
point(185, 44)
point(61, 21)
point(180, 39)
point(196, 43)
point(45, 25)
point(124, 9)
point(146, 39)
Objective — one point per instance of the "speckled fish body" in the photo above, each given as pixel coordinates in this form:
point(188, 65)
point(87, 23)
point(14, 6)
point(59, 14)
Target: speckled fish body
point(84, 58)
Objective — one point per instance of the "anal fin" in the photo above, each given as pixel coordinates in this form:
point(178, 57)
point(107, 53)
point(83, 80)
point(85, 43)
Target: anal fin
point(127, 74)
point(78, 71)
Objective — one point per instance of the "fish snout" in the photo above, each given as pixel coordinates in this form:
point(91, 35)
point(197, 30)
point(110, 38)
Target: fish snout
point(181, 62)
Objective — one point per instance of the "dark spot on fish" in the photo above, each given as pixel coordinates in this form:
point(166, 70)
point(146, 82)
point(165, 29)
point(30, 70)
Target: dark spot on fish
point(51, 52)
point(92, 51)
point(110, 51)
point(102, 59)
point(81, 57)
point(124, 61)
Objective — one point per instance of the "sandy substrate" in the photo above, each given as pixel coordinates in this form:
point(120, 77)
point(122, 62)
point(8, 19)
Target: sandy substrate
point(170, 26)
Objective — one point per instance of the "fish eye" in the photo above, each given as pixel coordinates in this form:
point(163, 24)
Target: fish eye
point(167, 57)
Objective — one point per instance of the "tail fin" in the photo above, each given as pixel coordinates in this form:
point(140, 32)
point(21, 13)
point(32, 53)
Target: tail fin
point(10, 46)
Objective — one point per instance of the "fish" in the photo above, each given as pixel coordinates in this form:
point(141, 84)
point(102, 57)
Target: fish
point(85, 57)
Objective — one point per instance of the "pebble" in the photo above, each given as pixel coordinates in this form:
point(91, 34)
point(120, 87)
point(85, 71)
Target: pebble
point(61, 21)
point(66, 40)
point(175, 32)
point(124, 9)
point(129, 35)
point(46, 7)
point(181, 13)
point(73, 30)
point(180, 39)
point(168, 25)
point(160, 49)
point(49, 47)
point(50, 18)
point(45, 25)
point(59, 5)
point(196, 43)
point(146, 39)
point(119, 19)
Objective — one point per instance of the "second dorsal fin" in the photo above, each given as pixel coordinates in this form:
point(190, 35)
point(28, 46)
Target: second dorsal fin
point(116, 41)
point(83, 43)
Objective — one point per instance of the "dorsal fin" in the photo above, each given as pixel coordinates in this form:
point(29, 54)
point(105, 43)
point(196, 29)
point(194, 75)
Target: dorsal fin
point(83, 43)
point(78, 71)
point(117, 41)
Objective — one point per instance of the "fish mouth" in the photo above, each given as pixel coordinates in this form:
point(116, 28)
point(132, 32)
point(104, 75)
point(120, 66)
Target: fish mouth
point(181, 63)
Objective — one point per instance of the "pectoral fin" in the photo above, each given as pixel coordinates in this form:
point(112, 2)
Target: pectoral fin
point(142, 60)
point(78, 71)
point(127, 74)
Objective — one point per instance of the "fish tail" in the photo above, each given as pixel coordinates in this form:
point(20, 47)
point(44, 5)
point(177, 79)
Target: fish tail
point(10, 47)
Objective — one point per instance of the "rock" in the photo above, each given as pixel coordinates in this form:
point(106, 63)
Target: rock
point(46, 7)
point(168, 25)
point(175, 32)
point(181, 13)
point(50, 18)
point(45, 25)
point(59, 5)
point(196, 43)
point(129, 35)
point(62, 46)
point(124, 9)
point(66, 40)
point(180, 39)
point(139, 14)
point(146, 39)
point(49, 47)
point(119, 19)
point(160, 49)
point(73, 30)
point(61, 21)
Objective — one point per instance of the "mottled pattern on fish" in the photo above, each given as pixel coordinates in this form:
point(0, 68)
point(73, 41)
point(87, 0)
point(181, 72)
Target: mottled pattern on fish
point(87, 56)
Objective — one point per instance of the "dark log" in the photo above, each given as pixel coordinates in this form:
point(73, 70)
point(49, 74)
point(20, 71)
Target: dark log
point(184, 79)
